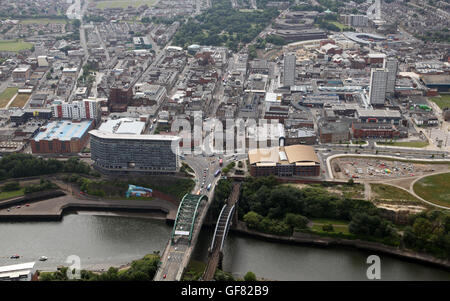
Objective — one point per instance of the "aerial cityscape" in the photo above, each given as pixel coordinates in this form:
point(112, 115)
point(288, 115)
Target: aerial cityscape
point(224, 140)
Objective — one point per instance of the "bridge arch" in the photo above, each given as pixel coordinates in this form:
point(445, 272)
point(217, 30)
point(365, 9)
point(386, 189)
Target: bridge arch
point(186, 215)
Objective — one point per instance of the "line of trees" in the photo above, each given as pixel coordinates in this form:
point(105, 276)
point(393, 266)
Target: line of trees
point(25, 165)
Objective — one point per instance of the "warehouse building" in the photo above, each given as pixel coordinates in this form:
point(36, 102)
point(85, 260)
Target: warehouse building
point(284, 161)
point(61, 137)
point(439, 82)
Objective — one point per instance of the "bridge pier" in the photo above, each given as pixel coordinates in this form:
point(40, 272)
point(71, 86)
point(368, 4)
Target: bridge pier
point(220, 264)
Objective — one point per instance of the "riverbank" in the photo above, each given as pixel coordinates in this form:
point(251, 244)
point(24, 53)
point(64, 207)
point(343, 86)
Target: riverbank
point(311, 239)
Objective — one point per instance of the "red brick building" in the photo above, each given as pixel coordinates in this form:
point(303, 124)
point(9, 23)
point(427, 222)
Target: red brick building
point(374, 130)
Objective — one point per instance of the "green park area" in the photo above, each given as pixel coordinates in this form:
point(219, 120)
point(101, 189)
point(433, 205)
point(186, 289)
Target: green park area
point(417, 144)
point(443, 101)
point(116, 188)
point(20, 100)
point(435, 189)
point(341, 26)
point(122, 3)
point(6, 96)
point(15, 45)
point(390, 193)
point(324, 226)
point(11, 194)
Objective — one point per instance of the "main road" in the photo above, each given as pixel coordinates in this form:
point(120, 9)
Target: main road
point(177, 255)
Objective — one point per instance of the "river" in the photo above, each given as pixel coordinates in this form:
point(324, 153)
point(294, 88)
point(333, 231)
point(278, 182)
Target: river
point(106, 239)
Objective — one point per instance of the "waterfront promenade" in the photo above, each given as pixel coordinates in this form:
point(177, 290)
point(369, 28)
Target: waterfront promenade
point(53, 208)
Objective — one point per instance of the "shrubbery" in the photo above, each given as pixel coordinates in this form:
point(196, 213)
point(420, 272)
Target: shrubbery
point(44, 185)
point(11, 186)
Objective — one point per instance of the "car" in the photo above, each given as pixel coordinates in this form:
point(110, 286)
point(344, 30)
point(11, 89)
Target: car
point(18, 207)
point(164, 277)
point(27, 205)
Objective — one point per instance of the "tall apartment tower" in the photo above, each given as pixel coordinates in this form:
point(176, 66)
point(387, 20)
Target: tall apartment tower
point(289, 70)
point(391, 64)
point(378, 82)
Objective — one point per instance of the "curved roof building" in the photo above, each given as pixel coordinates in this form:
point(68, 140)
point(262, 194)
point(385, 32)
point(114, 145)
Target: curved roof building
point(293, 160)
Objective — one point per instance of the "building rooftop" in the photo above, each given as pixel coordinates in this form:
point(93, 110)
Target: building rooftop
point(378, 113)
point(293, 154)
point(106, 135)
point(63, 130)
point(436, 79)
point(122, 126)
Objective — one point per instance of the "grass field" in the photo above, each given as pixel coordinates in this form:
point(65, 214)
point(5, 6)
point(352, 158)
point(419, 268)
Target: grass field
point(122, 3)
point(43, 21)
point(6, 96)
point(11, 194)
point(20, 100)
point(435, 189)
point(443, 101)
point(328, 221)
point(406, 144)
point(14, 45)
point(391, 193)
point(341, 26)
point(173, 186)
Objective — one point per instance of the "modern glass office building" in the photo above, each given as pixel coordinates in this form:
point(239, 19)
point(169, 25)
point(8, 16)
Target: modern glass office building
point(129, 153)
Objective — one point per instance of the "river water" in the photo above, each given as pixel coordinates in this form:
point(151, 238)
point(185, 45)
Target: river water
point(106, 239)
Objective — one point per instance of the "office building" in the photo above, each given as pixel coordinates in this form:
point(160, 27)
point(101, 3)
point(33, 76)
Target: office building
point(21, 73)
point(378, 82)
point(116, 153)
point(289, 70)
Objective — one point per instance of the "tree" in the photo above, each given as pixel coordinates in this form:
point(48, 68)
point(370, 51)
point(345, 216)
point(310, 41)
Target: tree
point(250, 276)
point(252, 219)
point(296, 221)
point(328, 228)
point(76, 23)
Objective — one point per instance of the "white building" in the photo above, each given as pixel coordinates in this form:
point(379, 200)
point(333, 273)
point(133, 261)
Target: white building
point(88, 108)
point(378, 81)
point(17, 272)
